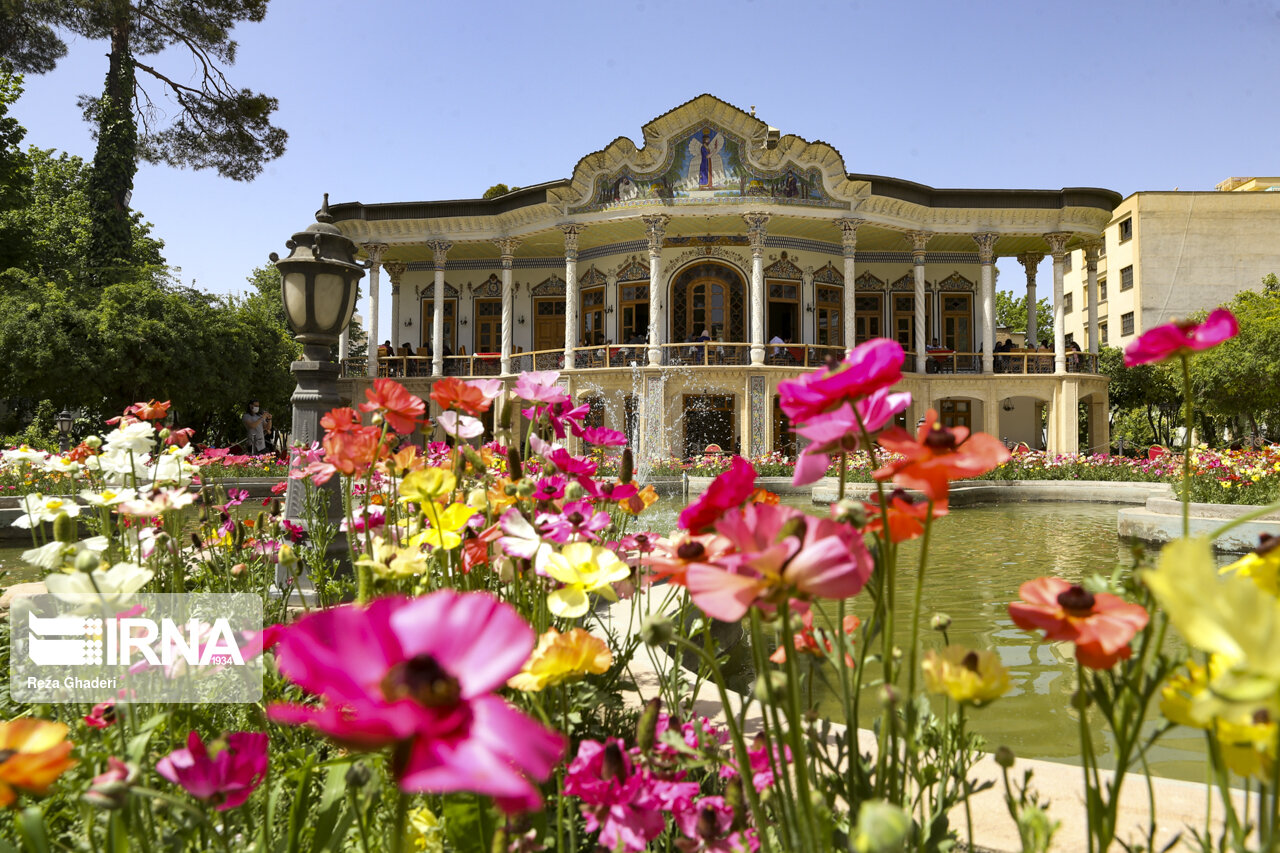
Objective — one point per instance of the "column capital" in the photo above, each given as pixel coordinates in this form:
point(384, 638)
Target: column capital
point(655, 228)
point(986, 246)
point(919, 241)
point(756, 230)
point(571, 231)
point(1057, 241)
point(395, 272)
point(849, 235)
point(1091, 251)
point(375, 252)
point(439, 251)
point(506, 249)
point(1031, 260)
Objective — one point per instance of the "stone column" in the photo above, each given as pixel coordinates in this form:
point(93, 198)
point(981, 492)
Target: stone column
point(755, 234)
point(374, 251)
point(1031, 261)
point(611, 314)
point(1091, 291)
point(849, 246)
point(506, 250)
point(1057, 248)
point(395, 273)
point(987, 258)
point(808, 305)
point(440, 251)
point(655, 228)
point(919, 240)
point(571, 231)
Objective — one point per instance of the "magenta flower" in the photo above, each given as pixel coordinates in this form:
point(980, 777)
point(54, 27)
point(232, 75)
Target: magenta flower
point(602, 436)
point(227, 776)
point(578, 521)
point(420, 674)
point(838, 431)
point(779, 554)
point(707, 826)
point(761, 767)
point(727, 491)
point(539, 386)
point(625, 803)
point(549, 488)
point(1178, 338)
point(869, 367)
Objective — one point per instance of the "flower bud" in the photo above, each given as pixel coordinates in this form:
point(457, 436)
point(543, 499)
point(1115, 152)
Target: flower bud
point(627, 469)
point(735, 798)
point(656, 629)
point(771, 687)
point(64, 529)
point(195, 540)
point(647, 726)
point(93, 442)
point(164, 434)
point(357, 775)
point(1004, 757)
point(1080, 700)
point(850, 512)
point(940, 622)
point(87, 561)
point(525, 489)
point(239, 569)
point(509, 490)
point(473, 459)
point(889, 696)
point(110, 790)
point(514, 469)
point(506, 414)
point(573, 491)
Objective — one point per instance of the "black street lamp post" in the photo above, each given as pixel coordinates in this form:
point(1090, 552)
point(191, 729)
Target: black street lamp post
point(65, 421)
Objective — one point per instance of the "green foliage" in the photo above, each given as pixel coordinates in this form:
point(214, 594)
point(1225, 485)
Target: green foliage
point(114, 164)
point(1011, 311)
point(498, 190)
point(1152, 390)
point(1239, 379)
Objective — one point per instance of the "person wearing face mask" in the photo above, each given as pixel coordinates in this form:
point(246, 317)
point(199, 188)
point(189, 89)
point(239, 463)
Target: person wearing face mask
point(256, 422)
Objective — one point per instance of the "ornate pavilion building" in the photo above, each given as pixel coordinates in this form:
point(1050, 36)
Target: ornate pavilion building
point(677, 282)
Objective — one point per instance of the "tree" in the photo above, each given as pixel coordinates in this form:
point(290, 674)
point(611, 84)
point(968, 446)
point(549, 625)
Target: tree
point(1149, 390)
point(498, 190)
point(1239, 380)
point(1011, 312)
point(215, 125)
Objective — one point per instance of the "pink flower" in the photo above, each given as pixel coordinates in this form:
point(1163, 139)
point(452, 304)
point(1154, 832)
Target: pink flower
point(1179, 338)
point(422, 674)
point(603, 437)
point(869, 367)
point(227, 776)
point(102, 716)
point(625, 803)
point(707, 826)
point(459, 426)
point(549, 488)
point(540, 387)
point(761, 770)
point(838, 431)
point(727, 491)
point(578, 521)
point(779, 554)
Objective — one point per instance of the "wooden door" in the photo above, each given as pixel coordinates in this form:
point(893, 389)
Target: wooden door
point(548, 324)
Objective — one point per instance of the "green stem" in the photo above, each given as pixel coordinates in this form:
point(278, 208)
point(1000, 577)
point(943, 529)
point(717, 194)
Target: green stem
point(796, 733)
point(1186, 450)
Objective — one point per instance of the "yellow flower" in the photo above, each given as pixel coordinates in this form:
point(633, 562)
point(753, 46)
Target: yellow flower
point(1246, 740)
point(445, 526)
point(423, 831)
point(1228, 616)
point(562, 657)
point(34, 754)
point(965, 675)
point(426, 484)
point(582, 568)
point(1262, 566)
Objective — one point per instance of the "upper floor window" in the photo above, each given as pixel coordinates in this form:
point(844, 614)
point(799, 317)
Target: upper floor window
point(1126, 323)
point(1126, 229)
point(1126, 278)
point(1102, 290)
point(1066, 261)
point(1067, 303)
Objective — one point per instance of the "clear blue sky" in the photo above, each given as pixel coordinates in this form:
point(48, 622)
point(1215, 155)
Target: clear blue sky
point(397, 100)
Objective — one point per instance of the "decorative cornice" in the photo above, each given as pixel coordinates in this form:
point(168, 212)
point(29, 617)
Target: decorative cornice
point(439, 252)
point(986, 246)
point(506, 249)
point(919, 240)
point(784, 268)
point(395, 272)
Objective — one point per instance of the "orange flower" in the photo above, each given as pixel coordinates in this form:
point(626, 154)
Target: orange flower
point(906, 517)
point(33, 754)
point(352, 450)
point(762, 496)
point(1101, 625)
point(640, 501)
point(938, 455)
point(402, 410)
point(499, 500)
point(405, 459)
point(149, 411)
point(452, 393)
point(806, 643)
point(341, 419)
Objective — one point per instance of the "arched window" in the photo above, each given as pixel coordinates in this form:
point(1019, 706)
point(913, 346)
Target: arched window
point(708, 297)
point(708, 301)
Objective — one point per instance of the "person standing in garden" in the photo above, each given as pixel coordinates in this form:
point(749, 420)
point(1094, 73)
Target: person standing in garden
point(256, 423)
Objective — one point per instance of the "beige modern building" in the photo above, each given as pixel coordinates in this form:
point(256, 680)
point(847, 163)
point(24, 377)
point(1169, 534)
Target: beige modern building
point(676, 282)
point(1165, 255)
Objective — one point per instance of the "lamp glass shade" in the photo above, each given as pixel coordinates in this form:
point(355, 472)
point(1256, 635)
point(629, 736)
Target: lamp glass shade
point(295, 299)
point(351, 305)
point(330, 299)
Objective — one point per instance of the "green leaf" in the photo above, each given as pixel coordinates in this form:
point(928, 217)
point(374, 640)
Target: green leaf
point(882, 828)
point(462, 825)
point(31, 830)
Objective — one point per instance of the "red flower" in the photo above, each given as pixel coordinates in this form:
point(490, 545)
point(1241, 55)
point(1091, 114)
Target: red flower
point(354, 450)
point(1101, 625)
point(402, 410)
point(150, 411)
point(806, 643)
point(906, 517)
point(727, 491)
point(180, 437)
point(341, 419)
point(938, 455)
point(453, 393)
point(1180, 338)
point(475, 550)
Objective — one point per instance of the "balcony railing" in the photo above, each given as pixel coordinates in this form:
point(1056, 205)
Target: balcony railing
point(710, 354)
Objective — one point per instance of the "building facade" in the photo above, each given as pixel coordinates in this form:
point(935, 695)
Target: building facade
point(1166, 255)
point(676, 282)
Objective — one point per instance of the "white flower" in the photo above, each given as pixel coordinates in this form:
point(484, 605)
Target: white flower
point(121, 466)
point(55, 505)
point(55, 554)
point(160, 502)
point(138, 438)
point(172, 470)
point(32, 506)
point(24, 454)
point(59, 465)
point(459, 426)
point(107, 497)
point(121, 580)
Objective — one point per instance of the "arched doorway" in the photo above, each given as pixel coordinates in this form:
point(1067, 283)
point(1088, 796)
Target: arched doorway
point(708, 297)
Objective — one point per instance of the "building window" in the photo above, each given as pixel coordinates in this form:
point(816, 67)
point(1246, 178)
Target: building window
point(830, 328)
point(1102, 333)
point(1102, 248)
point(1066, 261)
point(868, 316)
point(1126, 278)
point(1102, 290)
point(488, 325)
point(591, 326)
point(450, 324)
point(1126, 229)
point(634, 307)
point(1066, 303)
point(1126, 324)
point(1070, 339)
